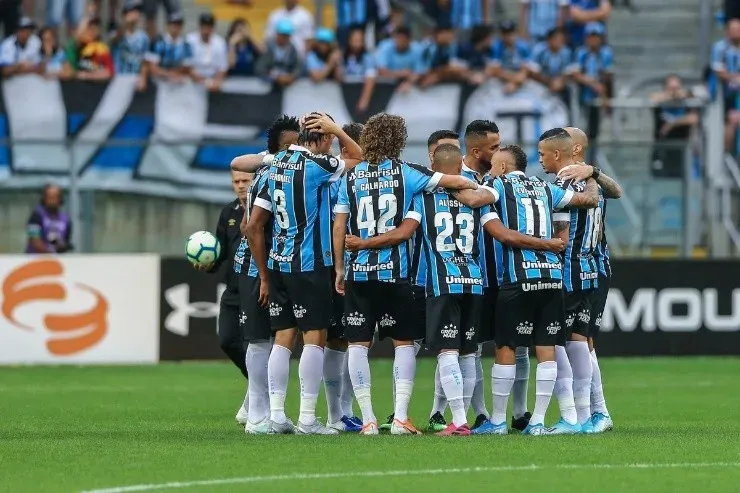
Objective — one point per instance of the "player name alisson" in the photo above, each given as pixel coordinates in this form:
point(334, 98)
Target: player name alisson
point(450, 203)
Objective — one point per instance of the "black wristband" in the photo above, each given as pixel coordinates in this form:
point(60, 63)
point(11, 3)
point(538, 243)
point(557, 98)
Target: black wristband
point(596, 172)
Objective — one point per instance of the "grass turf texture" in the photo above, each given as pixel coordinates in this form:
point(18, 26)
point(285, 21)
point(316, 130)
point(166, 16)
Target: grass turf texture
point(72, 429)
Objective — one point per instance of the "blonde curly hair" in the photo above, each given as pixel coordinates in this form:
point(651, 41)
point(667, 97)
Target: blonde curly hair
point(383, 137)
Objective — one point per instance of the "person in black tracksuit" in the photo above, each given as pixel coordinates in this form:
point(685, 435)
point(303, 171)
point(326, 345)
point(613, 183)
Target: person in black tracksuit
point(230, 335)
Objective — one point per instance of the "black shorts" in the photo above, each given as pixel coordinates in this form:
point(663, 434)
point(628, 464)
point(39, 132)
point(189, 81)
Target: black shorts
point(336, 328)
point(254, 319)
point(387, 304)
point(487, 324)
point(419, 309)
point(301, 299)
point(578, 312)
point(526, 318)
point(598, 302)
point(452, 322)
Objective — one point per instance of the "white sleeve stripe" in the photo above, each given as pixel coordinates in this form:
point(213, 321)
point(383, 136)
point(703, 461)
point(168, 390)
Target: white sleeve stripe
point(433, 182)
point(561, 217)
point(413, 215)
point(565, 200)
point(262, 203)
point(338, 173)
point(492, 191)
point(488, 217)
point(341, 209)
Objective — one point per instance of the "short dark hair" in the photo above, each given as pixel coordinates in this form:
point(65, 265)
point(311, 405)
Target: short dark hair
point(306, 136)
point(555, 133)
point(403, 30)
point(520, 157)
point(479, 33)
point(440, 135)
point(353, 130)
point(447, 148)
point(283, 124)
point(480, 128)
point(555, 30)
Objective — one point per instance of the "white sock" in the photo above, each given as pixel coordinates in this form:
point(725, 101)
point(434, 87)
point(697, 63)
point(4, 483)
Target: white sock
point(440, 401)
point(521, 381)
point(310, 371)
point(502, 378)
point(598, 403)
point(564, 387)
point(333, 377)
point(452, 382)
point(404, 371)
point(479, 395)
point(547, 372)
point(258, 355)
point(580, 361)
point(278, 372)
point(359, 372)
point(347, 393)
point(467, 368)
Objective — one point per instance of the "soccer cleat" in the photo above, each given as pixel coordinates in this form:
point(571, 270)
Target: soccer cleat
point(521, 422)
point(369, 429)
point(314, 428)
point(602, 422)
point(387, 425)
point(562, 427)
point(345, 424)
point(437, 422)
point(242, 416)
point(261, 428)
point(587, 428)
point(357, 421)
point(285, 428)
point(535, 430)
point(479, 421)
point(488, 428)
point(457, 431)
point(404, 428)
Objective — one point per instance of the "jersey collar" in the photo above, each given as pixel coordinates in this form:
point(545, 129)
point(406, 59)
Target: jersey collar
point(296, 147)
point(517, 172)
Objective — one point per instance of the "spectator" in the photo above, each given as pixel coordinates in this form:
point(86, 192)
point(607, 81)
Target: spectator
point(732, 10)
point(583, 12)
point(400, 59)
point(673, 124)
point(351, 14)
point(21, 53)
point(441, 58)
point(440, 11)
point(210, 55)
point(243, 49)
point(73, 10)
point(49, 228)
point(170, 57)
point(396, 19)
point(593, 71)
point(10, 12)
point(324, 61)
point(171, 7)
point(87, 54)
point(476, 54)
point(52, 56)
point(300, 19)
point(726, 66)
point(551, 62)
point(359, 65)
point(510, 56)
point(539, 17)
point(130, 44)
point(281, 62)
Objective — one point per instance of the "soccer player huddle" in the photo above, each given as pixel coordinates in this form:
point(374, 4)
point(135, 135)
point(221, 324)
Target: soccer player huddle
point(466, 252)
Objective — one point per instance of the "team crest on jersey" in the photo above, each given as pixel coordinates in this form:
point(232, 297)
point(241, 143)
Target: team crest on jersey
point(232, 222)
point(569, 320)
point(299, 311)
point(242, 318)
point(553, 328)
point(355, 319)
point(584, 316)
point(470, 334)
point(449, 331)
point(597, 322)
point(525, 328)
point(387, 321)
point(275, 309)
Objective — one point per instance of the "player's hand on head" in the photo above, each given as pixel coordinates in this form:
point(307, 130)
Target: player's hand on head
point(320, 122)
point(352, 243)
point(576, 172)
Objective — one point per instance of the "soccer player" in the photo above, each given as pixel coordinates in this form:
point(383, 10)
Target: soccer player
point(529, 305)
point(374, 198)
point(255, 318)
point(600, 417)
point(296, 275)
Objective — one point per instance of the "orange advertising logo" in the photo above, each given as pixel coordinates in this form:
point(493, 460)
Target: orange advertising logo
point(40, 281)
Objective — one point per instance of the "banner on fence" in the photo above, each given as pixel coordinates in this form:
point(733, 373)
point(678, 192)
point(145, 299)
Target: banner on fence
point(79, 309)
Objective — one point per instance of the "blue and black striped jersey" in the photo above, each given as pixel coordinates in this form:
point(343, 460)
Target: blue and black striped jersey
point(486, 254)
point(377, 198)
point(525, 204)
point(129, 52)
point(580, 271)
point(298, 196)
point(601, 253)
point(451, 235)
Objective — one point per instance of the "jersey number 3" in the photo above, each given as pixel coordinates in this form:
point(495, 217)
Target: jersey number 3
point(281, 212)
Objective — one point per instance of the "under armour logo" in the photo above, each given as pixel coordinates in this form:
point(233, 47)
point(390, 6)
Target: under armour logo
point(178, 297)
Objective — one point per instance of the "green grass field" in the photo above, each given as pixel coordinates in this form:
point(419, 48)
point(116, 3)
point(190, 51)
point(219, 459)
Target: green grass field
point(81, 429)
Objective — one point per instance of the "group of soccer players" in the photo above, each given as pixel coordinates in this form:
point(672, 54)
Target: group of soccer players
point(466, 252)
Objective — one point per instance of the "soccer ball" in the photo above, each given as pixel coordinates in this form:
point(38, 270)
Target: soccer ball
point(202, 248)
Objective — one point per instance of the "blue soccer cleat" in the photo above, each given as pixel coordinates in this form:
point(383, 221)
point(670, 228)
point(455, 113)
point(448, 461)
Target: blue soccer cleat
point(602, 422)
point(356, 420)
point(488, 428)
point(535, 430)
point(587, 428)
point(345, 424)
point(562, 427)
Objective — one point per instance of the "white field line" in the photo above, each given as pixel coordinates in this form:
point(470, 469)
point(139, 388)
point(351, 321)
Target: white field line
point(411, 472)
